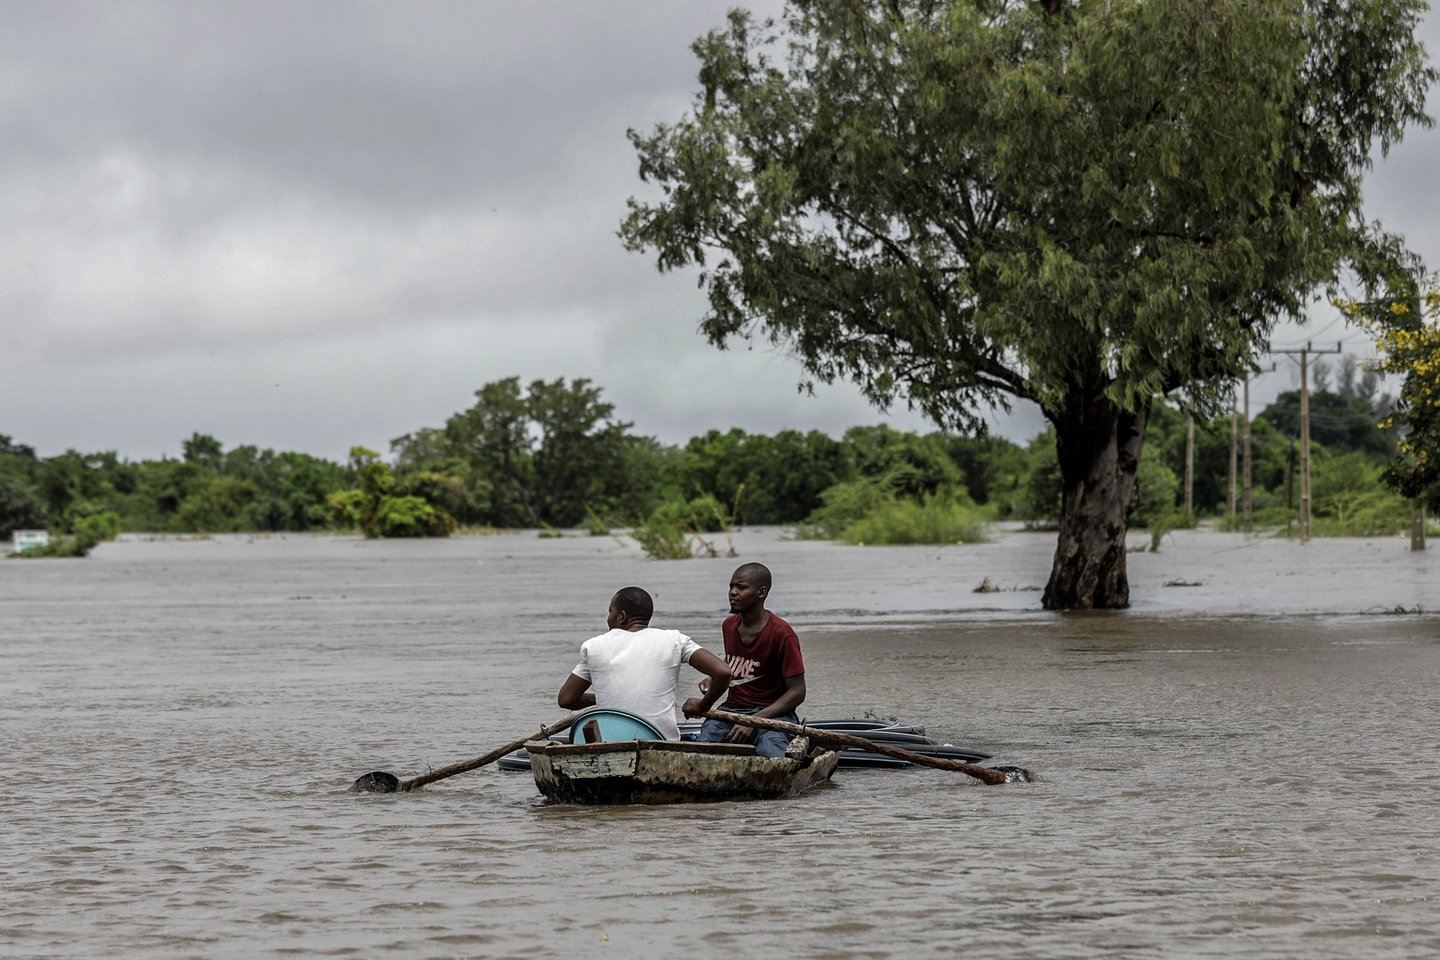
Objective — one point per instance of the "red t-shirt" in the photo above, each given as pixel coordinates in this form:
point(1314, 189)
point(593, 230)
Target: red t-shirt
point(760, 669)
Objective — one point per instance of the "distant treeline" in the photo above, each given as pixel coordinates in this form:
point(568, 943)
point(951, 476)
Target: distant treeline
point(553, 455)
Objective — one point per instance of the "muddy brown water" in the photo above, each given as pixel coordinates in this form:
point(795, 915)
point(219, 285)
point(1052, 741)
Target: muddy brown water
point(1244, 764)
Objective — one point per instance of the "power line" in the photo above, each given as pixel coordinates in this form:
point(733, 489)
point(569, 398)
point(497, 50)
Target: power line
point(1333, 321)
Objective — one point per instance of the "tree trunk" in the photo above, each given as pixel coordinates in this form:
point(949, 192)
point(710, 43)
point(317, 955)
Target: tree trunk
point(1099, 447)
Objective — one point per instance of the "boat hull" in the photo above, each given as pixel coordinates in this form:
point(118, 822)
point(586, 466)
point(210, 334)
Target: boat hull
point(909, 736)
point(669, 771)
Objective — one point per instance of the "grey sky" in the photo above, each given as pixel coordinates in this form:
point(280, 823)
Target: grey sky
point(311, 225)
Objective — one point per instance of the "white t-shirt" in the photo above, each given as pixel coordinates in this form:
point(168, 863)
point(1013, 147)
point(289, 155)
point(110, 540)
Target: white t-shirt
point(637, 671)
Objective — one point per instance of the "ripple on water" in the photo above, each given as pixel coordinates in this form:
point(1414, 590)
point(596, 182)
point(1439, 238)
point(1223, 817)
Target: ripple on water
point(1210, 785)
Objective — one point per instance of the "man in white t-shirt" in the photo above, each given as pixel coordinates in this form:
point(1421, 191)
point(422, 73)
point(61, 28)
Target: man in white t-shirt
point(636, 667)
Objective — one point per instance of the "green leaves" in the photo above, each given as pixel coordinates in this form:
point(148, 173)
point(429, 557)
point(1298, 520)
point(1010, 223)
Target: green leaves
point(545, 453)
point(952, 202)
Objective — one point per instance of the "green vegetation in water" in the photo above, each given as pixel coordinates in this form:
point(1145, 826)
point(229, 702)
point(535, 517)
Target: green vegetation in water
point(595, 524)
point(873, 512)
point(933, 520)
point(62, 546)
point(411, 517)
point(676, 529)
point(663, 540)
point(872, 485)
point(89, 532)
point(378, 509)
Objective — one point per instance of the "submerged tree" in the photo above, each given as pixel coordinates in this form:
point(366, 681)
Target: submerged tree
point(544, 452)
point(1081, 204)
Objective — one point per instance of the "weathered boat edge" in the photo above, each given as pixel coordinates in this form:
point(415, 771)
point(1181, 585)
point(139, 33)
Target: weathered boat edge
point(663, 771)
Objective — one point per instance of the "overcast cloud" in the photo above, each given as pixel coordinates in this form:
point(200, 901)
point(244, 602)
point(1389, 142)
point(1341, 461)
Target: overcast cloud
point(307, 225)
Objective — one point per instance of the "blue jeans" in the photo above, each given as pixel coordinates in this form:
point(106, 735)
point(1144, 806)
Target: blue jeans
point(768, 743)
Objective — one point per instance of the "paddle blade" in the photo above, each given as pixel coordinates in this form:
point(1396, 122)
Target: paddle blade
point(377, 782)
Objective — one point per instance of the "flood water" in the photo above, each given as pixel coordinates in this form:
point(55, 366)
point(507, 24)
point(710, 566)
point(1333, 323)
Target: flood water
point(1243, 764)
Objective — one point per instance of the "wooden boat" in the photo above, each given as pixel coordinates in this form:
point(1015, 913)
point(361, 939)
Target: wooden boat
point(909, 736)
point(670, 771)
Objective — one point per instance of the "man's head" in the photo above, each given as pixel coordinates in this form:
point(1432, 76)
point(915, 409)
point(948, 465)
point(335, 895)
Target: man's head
point(749, 586)
point(631, 608)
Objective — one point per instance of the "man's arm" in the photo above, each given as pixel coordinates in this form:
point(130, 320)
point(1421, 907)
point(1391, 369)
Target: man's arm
point(788, 701)
point(575, 694)
point(793, 696)
point(706, 662)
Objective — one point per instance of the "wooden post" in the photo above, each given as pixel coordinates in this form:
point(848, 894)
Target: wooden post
point(1189, 466)
point(1290, 488)
point(1230, 497)
point(1417, 526)
point(1249, 492)
point(1305, 445)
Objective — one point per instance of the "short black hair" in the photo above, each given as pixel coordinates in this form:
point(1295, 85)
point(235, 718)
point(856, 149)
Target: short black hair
point(635, 603)
point(758, 573)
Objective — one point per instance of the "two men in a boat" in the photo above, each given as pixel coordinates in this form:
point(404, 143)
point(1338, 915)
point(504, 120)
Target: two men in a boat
point(768, 673)
point(636, 667)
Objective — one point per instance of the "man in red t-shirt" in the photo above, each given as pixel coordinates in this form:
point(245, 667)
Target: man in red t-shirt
point(768, 673)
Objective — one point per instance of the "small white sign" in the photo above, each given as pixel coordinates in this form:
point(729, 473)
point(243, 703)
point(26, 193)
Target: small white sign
point(30, 539)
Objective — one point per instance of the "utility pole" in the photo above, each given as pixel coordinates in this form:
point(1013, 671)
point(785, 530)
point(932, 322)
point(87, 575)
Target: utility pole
point(1230, 497)
point(1249, 490)
point(1189, 467)
point(1304, 445)
point(1304, 353)
point(1289, 486)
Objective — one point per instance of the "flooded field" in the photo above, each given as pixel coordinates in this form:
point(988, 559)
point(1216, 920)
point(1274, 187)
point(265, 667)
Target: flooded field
point(1244, 764)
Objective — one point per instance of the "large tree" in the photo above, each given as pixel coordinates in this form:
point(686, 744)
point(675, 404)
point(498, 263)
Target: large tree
point(1083, 204)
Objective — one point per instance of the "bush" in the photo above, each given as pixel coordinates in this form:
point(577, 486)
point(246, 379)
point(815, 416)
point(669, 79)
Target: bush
point(674, 531)
point(1044, 487)
point(844, 505)
point(411, 517)
point(595, 524)
point(1156, 486)
point(345, 508)
point(445, 491)
point(868, 511)
point(1362, 513)
point(670, 532)
point(98, 526)
point(663, 539)
point(934, 519)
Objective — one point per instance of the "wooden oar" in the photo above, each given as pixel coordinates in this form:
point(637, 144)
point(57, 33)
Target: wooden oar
point(382, 782)
point(984, 774)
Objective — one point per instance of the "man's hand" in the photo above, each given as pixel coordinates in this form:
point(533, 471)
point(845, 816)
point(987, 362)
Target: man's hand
point(692, 708)
point(704, 685)
point(739, 734)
